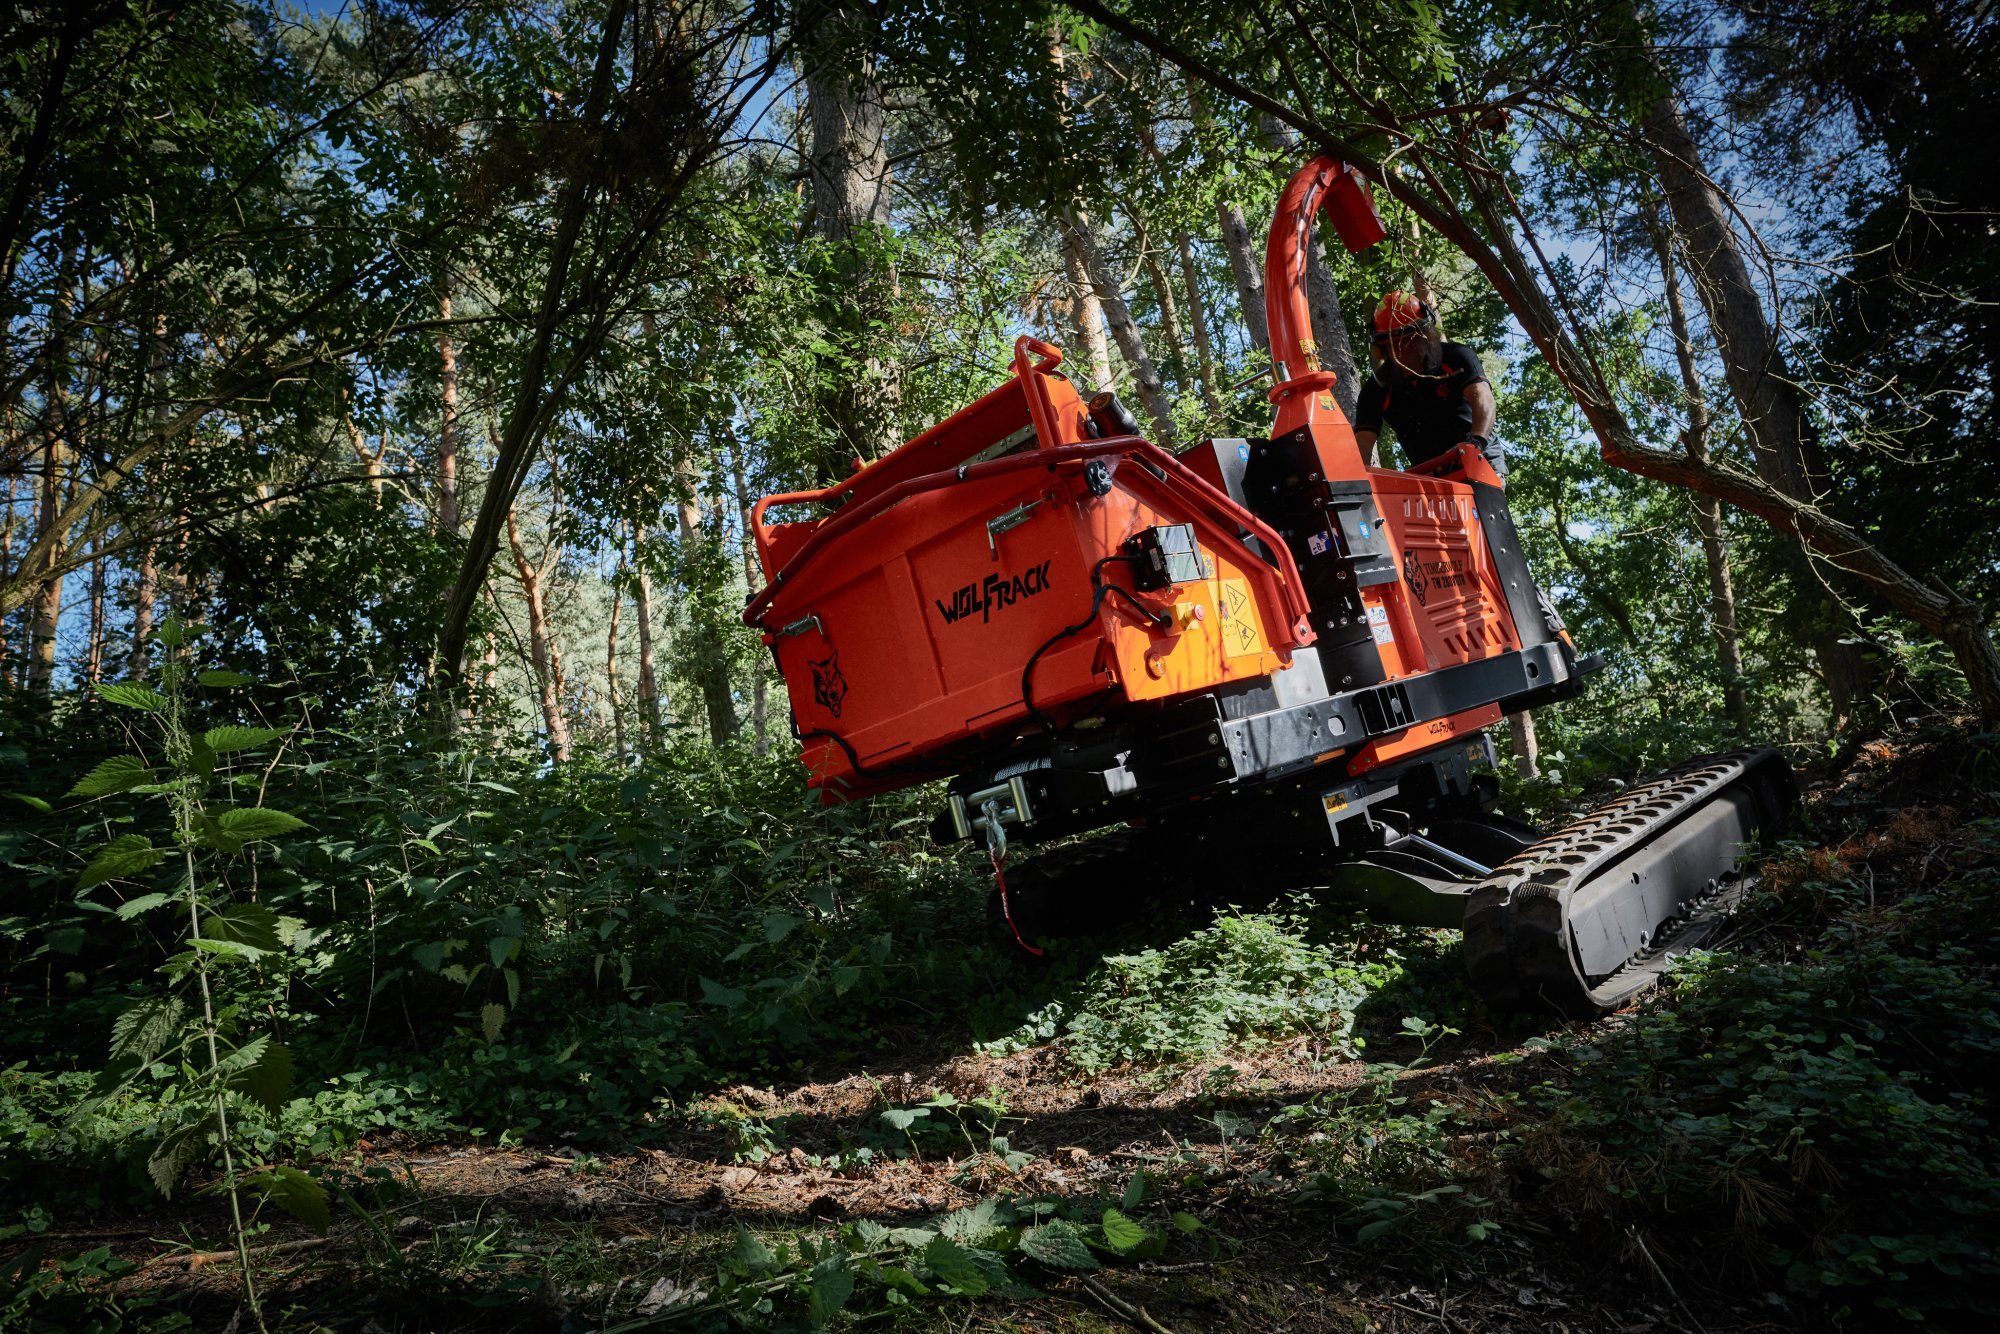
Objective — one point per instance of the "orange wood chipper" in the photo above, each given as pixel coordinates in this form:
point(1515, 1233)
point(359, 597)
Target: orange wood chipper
point(1271, 663)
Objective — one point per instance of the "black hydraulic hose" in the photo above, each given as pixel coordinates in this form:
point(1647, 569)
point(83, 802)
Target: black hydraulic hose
point(1100, 591)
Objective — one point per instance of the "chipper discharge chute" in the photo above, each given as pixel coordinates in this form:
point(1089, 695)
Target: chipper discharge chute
point(1271, 662)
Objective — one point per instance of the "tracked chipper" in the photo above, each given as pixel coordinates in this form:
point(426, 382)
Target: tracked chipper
point(1271, 663)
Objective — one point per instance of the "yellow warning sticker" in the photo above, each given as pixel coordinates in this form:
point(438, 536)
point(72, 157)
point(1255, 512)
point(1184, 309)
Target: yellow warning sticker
point(1335, 802)
point(1241, 635)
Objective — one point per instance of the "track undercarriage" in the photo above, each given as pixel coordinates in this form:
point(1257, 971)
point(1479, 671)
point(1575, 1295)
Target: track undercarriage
point(1580, 920)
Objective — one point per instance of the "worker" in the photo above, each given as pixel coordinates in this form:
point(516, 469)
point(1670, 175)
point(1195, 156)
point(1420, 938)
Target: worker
point(1433, 393)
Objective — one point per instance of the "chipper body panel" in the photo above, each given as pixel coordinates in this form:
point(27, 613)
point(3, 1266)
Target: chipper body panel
point(1269, 661)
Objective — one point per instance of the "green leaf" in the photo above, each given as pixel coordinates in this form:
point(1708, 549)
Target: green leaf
point(1186, 1222)
point(121, 858)
point(1123, 1234)
point(503, 949)
point(714, 993)
point(35, 802)
point(1370, 1231)
point(144, 903)
point(1135, 1191)
point(176, 1149)
point(132, 695)
point(223, 740)
point(952, 1265)
point(266, 1077)
point(294, 1192)
point(751, 1255)
point(248, 822)
point(1058, 1243)
point(832, 1285)
point(778, 925)
point(143, 1030)
point(492, 1017)
point(224, 678)
point(429, 957)
point(250, 925)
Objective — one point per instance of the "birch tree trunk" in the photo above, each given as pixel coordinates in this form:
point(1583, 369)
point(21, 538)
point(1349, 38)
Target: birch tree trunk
point(93, 658)
point(1248, 269)
point(612, 702)
point(1527, 748)
point(1211, 393)
point(760, 681)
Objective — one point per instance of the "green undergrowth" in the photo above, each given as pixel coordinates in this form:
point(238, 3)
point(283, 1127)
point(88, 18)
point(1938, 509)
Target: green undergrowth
point(1248, 976)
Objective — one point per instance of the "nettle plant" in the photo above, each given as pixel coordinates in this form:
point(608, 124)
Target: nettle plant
point(211, 1066)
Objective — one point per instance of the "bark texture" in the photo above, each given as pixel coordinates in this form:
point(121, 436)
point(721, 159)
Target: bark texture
point(1079, 235)
point(542, 653)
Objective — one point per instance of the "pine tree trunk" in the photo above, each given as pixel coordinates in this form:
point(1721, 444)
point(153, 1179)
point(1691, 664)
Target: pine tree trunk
point(6, 563)
point(1079, 236)
point(447, 460)
point(848, 165)
point(1707, 510)
point(45, 612)
point(541, 647)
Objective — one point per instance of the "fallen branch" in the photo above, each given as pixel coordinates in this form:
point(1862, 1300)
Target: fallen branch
point(1136, 1314)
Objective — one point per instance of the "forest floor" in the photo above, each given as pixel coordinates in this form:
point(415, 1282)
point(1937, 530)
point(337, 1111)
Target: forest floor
point(1455, 1174)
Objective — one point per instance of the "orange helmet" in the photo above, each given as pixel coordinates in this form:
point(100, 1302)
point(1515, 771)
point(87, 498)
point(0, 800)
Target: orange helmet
point(1402, 320)
point(1399, 311)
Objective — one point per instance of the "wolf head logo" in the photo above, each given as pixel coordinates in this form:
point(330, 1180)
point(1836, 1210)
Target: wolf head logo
point(829, 686)
point(1413, 575)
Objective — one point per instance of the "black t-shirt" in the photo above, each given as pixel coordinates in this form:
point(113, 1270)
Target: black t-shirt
point(1429, 415)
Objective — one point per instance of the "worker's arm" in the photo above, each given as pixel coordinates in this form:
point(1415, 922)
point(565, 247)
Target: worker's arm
point(1480, 395)
point(1365, 441)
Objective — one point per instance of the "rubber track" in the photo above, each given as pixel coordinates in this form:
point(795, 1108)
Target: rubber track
point(1517, 942)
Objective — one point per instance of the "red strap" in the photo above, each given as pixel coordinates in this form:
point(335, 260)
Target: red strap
point(1007, 909)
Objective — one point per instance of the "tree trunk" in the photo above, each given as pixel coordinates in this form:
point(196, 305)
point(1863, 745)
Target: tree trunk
point(1085, 313)
point(760, 680)
point(1163, 295)
point(612, 702)
point(541, 647)
point(93, 657)
point(447, 460)
point(45, 614)
point(1707, 511)
point(1211, 393)
point(534, 398)
point(1527, 749)
point(1782, 435)
point(1248, 269)
point(848, 165)
point(711, 661)
point(642, 611)
point(145, 588)
point(1152, 394)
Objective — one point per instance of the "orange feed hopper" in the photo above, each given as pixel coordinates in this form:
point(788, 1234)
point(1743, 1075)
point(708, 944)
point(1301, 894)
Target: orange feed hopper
point(1014, 567)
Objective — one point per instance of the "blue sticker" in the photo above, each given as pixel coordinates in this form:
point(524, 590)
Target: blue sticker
point(1318, 543)
point(1243, 452)
point(1364, 527)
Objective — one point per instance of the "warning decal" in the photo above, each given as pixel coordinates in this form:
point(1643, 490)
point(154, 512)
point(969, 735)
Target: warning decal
point(1240, 633)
